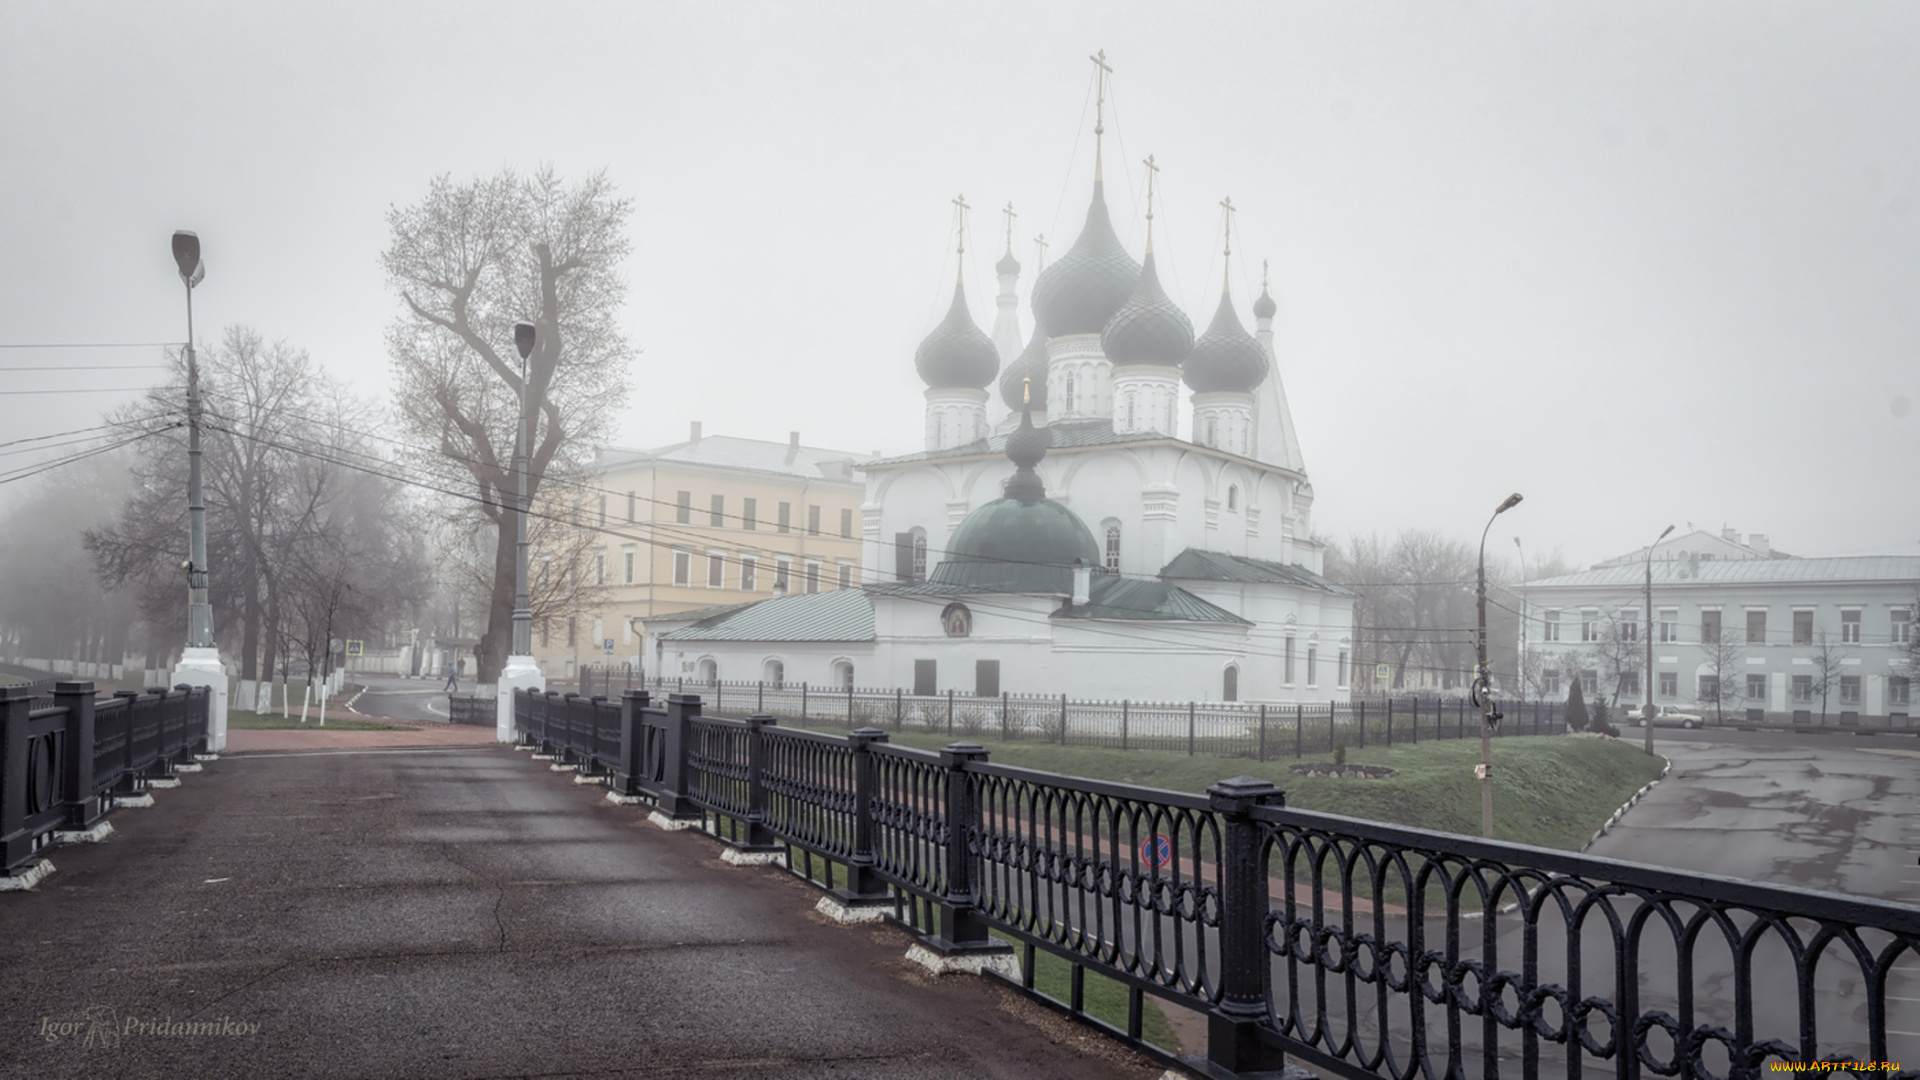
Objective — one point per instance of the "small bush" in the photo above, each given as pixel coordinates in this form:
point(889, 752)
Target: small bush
point(1576, 706)
point(971, 720)
point(1340, 753)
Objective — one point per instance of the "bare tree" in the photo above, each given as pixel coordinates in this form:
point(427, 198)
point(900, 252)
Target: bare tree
point(1617, 654)
point(1826, 669)
point(468, 262)
point(1726, 657)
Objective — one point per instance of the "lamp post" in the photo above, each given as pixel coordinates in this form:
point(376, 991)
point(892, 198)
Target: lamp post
point(521, 670)
point(200, 661)
point(1483, 680)
point(1646, 706)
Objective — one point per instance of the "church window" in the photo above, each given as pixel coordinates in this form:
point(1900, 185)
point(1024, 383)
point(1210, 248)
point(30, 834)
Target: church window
point(1313, 676)
point(919, 555)
point(774, 672)
point(1130, 424)
point(1213, 432)
point(1230, 684)
point(1289, 664)
point(1069, 393)
point(1113, 549)
point(1233, 496)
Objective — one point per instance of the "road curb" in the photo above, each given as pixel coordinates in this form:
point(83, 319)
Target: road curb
point(1628, 805)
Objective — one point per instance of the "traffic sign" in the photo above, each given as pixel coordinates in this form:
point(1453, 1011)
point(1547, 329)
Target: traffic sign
point(1380, 672)
point(607, 644)
point(1156, 851)
point(356, 647)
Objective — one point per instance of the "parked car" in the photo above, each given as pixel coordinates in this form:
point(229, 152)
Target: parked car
point(1673, 716)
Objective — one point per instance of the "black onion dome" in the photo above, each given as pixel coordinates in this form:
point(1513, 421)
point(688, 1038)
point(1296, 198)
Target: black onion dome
point(957, 354)
point(1007, 264)
point(1031, 364)
point(1264, 307)
point(1024, 542)
point(1148, 328)
point(1226, 357)
point(1080, 292)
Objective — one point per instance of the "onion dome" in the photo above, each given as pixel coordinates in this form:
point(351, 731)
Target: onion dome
point(1264, 307)
point(957, 355)
point(1226, 357)
point(1080, 292)
point(1023, 542)
point(1007, 264)
point(1029, 369)
point(1148, 328)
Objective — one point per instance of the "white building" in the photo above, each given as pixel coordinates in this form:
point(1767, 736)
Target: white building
point(1089, 550)
point(1791, 627)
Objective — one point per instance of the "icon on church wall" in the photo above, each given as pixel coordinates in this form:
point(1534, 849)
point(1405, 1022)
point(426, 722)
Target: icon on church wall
point(957, 620)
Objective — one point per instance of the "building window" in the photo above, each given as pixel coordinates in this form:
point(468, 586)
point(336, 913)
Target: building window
point(1067, 398)
point(600, 568)
point(1344, 673)
point(1849, 689)
point(1803, 628)
point(717, 511)
point(846, 523)
point(716, 569)
point(1550, 682)
point(924, 677)
point(1850, 627)
point(1669, 684)
point(1233, 496)
point(1313, 672)
point(1113, 549)
point(1630, 684)
point(1709, 628)
point(1669, 625)
point(986, 678)
point(813, 577)
point(1230, 684)
point(813, 521)
point(683, 507)
point(626, 564)
point(544, 633)
point(775, 672)
point(781, 572)
point(1213, 432)
point(1757, 627)
point(1130, 424)
point(1550, 625)
point(1902, 626)
point(1630, 626)
point(573, 631)
point(747, 568)
point(603, 510)
point(1289, 664)
point(1589, 681)
point(682, 568)
point(786, 517)
point(1709, 688)
point(1757, 687)
point(748, 509)
point(843, 674)
point(1899, 690)
point(846, 575)
point(632, 508)
point(919, 555)
point(1803, 688)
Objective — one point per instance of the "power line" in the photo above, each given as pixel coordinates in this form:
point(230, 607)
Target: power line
point(97, 345)
point(81, 390)
point(85, 367)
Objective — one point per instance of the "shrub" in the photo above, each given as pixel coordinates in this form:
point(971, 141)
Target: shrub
point(1340, 753)
point(1576, 706)
point(971, 720)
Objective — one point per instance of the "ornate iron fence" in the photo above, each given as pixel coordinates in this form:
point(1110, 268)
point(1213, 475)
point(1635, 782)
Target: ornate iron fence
point(62, 764)
point(1364, 950)
point(472, 709)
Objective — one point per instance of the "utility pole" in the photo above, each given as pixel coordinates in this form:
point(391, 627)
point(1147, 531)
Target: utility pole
point(1483, 681)
point(522, 671)
point(1646, 707)
point(200, 661)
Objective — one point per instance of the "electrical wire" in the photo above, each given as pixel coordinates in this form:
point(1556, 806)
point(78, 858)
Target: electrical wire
point(96, 345)
point(84, 367)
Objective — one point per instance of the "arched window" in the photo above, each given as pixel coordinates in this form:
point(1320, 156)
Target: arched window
point(919, 554)
point(1130, 418)
point(1069, 394)
point(775, 674)
point(1233, 496)
point(1230, 683)
point(709, 671)
point(843, 674)
point(1113, 549)
point(1213, 432)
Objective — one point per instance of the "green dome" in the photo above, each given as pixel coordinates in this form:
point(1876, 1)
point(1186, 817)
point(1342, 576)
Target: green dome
point(1024, 542)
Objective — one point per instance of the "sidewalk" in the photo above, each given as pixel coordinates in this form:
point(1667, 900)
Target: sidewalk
point(315, 737)
point(466, 912)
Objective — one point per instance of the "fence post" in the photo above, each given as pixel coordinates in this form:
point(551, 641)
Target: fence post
point(949, 712)
point(630, 776)
point(803, 704)
point(899, 708)
point(1363, 725)
point(759, 837)
point(1190, 725)
point(864, 886)
point(1263, 731)
point(1234, 1045)
point(673, 803)
point(1125, 707)
point(1299, 724)
point(849, 704)
point(1331, 741)
point(1460, 708)
point(16, 841)
point(1063, 719)
point(83, 807)
point(962, 930)
point(760, 701)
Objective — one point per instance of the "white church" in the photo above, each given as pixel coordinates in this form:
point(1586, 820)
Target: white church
point(1061, 533)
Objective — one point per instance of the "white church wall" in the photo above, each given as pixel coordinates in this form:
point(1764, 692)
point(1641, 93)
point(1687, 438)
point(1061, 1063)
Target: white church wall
point(908, 498)
point(810, 662)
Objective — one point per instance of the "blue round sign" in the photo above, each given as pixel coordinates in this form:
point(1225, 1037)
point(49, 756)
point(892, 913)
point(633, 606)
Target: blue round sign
point(1156, 851)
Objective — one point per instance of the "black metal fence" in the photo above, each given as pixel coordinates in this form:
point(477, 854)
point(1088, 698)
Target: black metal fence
point(474, 709)
point(1224, 728)
point(61, 763)
point(1361, 949)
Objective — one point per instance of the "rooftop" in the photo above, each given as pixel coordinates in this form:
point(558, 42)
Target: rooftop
point(1196, 565)
point(1065, 435)
point(840, 615)
point(1852, 568)
point(753, 455)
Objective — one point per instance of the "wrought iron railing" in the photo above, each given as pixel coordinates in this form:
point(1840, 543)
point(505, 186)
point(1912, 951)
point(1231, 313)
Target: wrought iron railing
point(62, 764)
point(1364, 950)
point(472, 709)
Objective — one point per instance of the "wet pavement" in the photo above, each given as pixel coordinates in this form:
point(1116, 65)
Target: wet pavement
point(469, 913)
point(398, 698)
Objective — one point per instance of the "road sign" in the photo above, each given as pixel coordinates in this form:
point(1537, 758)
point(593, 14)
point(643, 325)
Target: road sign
point(356, 647)
point(1380, 672)
point(1156, 851)
point(607, 645)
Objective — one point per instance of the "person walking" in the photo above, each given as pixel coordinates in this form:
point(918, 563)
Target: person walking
point(453, 678)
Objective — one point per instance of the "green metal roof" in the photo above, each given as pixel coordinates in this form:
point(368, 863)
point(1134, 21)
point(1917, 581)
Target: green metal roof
point(1135, 600)
point(839, 615)
point(1196, 565)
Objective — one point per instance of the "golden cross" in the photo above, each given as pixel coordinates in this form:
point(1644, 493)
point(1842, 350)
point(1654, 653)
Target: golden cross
point(1008, 210)
point(1100, 73)
point(1152, 171)
point(1226, 205)
point(960, 220)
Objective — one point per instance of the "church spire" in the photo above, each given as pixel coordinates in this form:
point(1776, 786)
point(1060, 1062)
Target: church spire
point(1152, 171)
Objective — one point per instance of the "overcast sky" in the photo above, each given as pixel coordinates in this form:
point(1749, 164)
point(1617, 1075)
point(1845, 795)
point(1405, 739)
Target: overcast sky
point(1645, 263)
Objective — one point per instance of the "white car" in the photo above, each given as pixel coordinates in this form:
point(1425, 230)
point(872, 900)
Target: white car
point(1672, 716)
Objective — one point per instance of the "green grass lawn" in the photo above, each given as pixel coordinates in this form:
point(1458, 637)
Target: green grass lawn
point(1550, 790)
point(242, 720)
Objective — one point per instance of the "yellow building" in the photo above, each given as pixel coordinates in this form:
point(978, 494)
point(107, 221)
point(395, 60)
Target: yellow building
point(711, 521)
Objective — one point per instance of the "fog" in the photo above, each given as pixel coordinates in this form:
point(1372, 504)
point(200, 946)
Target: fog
point(1646, 263)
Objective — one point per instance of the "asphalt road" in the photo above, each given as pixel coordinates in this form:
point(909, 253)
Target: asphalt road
point(469, 913)
point(396, 698)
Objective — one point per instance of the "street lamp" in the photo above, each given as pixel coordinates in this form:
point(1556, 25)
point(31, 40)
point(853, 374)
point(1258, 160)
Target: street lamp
point(1483, 680)
point(521, 670)
point(200, 661)
point(1646, 706)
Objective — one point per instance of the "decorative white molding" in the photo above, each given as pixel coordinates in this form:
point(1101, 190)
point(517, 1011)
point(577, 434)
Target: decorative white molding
point(672, 824)
point(94, 835)
point(844, 913)
point(969, 963)
point(736, 857)
point(34, 876)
